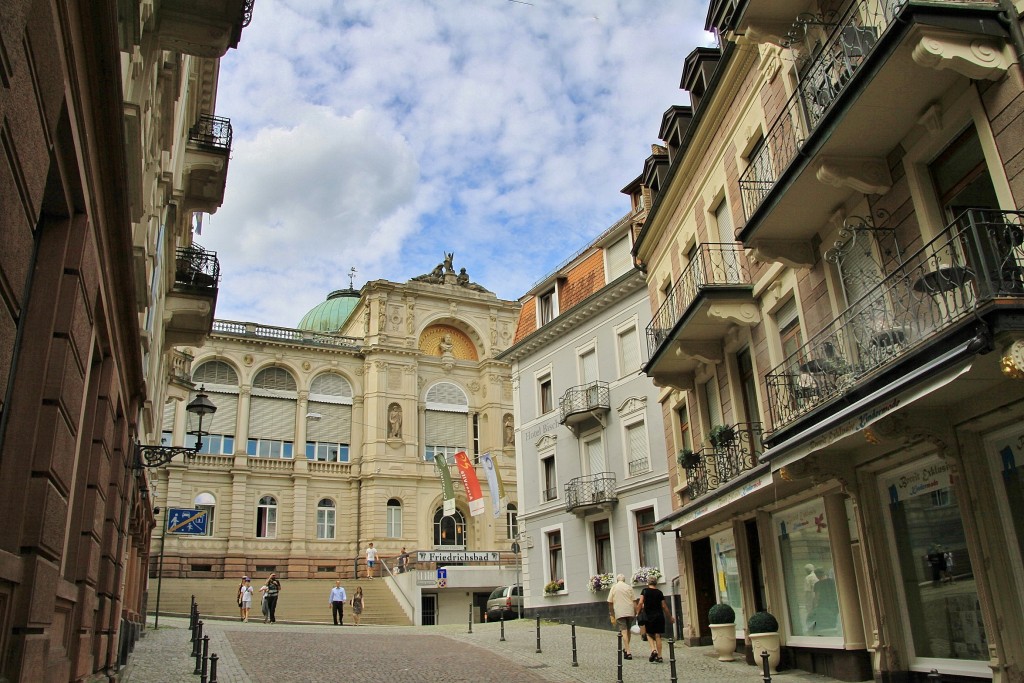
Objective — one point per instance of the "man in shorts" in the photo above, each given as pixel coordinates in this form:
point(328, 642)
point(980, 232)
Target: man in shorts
point(621, 611)
point(371, 560)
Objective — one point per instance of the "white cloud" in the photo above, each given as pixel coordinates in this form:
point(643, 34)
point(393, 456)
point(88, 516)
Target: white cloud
point(379, 133)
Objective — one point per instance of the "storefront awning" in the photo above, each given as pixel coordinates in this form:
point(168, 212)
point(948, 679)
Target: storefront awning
point(873, 407)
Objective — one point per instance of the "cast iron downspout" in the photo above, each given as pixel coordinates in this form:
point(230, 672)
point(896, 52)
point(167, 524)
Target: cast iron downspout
point(1009, 14)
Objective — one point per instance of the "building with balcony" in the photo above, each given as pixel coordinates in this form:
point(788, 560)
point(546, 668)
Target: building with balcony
point(592, 476)
point(325, 436)
point(100, 280)
point(845, 395)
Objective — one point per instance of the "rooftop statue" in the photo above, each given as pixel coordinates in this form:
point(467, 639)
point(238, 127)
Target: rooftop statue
point(444, 274)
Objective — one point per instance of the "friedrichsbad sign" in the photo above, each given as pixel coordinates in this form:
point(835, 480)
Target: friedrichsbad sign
point(457, 555)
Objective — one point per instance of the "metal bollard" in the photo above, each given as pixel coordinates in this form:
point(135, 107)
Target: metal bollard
point(206, 654)
point(933, 675)
point(672, 660)
point(199, 654)
point(196, 644)
point(192, 613)
point(192, 619)
point(538, 634)
point(767, 670)
point(574, 660)
point(213, 668)
point(502, 639)
point(619, 679)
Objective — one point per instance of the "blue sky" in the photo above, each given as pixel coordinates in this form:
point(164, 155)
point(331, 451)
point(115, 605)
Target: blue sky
point(378, 134)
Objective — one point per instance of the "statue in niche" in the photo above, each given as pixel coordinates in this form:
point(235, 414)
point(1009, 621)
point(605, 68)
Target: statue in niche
point(395, 421)
point(447, 345)
point(510, 430)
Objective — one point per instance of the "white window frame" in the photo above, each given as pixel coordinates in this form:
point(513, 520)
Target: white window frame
point(539, 377)
point(542, 479)
point(269, 517)
point(211, 510)
point(634, 537)
point(545, 538)
point(592, 544)
point(393, 526)
point(622, 330)
point(326, 520)
point(511, 520)
point(632, 422)
point(550, 294)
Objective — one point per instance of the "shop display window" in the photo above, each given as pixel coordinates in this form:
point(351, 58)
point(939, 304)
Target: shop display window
point(727, 575)
point(1010, 452)
point(935, 569)
point(812, 602)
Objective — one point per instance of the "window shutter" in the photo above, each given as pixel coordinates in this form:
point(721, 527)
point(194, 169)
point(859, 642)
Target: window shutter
point(272, 418)
point(619, 259)
point(168, 423)
point(714, 405)
point(637, 442)
point(786, 314)
point(446, 429)
point(224, 421)
point(588, 366)
point(630, 351)
point(335, 425)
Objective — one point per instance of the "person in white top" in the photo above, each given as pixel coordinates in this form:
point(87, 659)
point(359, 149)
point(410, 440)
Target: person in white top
point(621, 610)
point(371, 560)
point(245, 598)
point(337, 600)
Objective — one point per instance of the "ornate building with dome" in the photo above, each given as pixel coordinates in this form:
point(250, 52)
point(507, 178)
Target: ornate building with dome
point(324, 436)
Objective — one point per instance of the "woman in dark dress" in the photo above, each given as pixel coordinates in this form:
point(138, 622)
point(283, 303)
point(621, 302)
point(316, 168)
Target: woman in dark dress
point(655, 608)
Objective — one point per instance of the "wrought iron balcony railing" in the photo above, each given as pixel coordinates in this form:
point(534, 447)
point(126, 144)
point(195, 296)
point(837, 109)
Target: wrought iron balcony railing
point(974, 260)
point(825, 73)
point(247, 12)
point(196, 268)
point(590, 489)
point(728, 458)
point(714, 265)
point(582, 399)
point(211, 132)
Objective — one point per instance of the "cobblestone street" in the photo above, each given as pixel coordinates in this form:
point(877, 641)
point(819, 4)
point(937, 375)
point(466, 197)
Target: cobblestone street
point(259, 653)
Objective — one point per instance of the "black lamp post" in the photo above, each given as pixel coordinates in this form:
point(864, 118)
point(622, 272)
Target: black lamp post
point(157, 456)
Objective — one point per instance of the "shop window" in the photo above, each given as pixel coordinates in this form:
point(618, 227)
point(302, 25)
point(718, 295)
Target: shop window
point(727, 574)
point(937, 578)
point(806, 554)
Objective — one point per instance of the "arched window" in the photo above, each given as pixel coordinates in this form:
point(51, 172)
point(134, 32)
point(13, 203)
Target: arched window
point(449, 530)
point(220, 382)
point(272, 414)
point(446, 421)
point(266, 517)
point(206, 501)
point(394, 521)
point(329, 418)
point(325, 517)
point(512, 520)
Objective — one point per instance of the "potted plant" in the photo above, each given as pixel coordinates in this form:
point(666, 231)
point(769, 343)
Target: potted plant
point(686, 458)
point(723, 630)
point(721, 435)
point(763, 629)
point(600, 582)
point(556, 586)
point(644, 574)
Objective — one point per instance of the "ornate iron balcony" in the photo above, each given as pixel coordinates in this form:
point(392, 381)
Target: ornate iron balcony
point(728, 458)
point(976, 259)
point(713, 266)
point(585, 398)
point(196, 268)
point(589, 490)
point(211, 132)
point(825, 70)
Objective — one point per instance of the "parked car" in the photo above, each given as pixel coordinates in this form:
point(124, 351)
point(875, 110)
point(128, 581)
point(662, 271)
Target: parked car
point(505, 602)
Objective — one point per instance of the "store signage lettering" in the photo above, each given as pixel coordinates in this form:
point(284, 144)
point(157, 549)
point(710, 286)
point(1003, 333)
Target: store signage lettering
point(854, 424)
point(730, 497)
point(931, 477)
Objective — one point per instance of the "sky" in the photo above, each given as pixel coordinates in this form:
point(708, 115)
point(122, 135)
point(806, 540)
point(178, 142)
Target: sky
point(380, 134)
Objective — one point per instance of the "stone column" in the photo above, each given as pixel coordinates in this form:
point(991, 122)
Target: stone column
point(242, 421)
point(846, 578)
point(301, 410)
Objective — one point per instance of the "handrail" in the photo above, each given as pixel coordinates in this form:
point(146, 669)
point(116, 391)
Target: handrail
point(394, 583)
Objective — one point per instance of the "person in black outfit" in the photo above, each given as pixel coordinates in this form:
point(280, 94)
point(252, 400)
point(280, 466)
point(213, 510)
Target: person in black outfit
point(655, 608)
point(273, 588)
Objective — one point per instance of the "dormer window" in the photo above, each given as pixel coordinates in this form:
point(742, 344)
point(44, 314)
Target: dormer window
point(547, 307)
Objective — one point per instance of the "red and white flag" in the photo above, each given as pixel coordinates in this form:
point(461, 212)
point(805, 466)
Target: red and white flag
point(474, 496)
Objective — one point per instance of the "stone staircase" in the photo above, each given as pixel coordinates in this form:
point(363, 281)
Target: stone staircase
point(301, 601)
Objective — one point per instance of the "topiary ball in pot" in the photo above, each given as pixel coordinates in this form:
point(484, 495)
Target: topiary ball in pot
point(721, 613)
point(762, 622)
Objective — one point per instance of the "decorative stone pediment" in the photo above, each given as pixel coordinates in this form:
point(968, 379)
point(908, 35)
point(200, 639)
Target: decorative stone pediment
point(790, 253)
point(705, 352)
point(633, 404)
point(546, 442)
point(866, 175)
point(741, 314)
point(972, 55)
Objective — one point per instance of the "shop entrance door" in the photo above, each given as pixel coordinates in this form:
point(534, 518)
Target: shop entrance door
point(756, 575)
point(704, 586)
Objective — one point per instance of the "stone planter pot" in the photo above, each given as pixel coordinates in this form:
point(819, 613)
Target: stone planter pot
point(760, 642)
point(723, 636)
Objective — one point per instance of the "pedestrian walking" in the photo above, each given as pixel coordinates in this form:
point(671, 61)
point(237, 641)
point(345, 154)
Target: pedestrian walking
point(620, 611)
point(357, 604)
point(245, 598)
point(338, 600)
point(371, 560)
point(273, 587)
point(403, 561)
point(655, 609)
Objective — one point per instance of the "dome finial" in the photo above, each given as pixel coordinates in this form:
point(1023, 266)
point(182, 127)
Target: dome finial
point(351, 276)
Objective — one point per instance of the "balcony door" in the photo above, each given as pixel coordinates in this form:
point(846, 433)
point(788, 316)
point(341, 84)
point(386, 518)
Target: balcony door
point(724, 261)
point(593, 453)
point(588, 377)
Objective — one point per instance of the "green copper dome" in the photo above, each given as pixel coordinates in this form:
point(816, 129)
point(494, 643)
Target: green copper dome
point(330, 315)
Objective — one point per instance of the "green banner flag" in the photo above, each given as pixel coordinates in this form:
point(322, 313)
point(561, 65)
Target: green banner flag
point(446, 484)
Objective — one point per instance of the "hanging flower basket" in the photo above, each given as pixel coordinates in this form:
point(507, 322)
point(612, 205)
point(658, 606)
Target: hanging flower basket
point(600, 582)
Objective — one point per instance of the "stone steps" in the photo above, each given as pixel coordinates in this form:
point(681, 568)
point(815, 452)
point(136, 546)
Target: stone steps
point(302, 600)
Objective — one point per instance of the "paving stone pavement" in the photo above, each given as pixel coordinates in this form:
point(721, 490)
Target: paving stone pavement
point(258, 653)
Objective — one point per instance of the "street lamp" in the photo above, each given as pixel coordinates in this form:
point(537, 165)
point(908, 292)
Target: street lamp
point(157, 456)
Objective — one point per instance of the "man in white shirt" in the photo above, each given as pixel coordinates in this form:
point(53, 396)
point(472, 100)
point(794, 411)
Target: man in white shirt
point(621, 610)
point(338, 599)
point(371, 560)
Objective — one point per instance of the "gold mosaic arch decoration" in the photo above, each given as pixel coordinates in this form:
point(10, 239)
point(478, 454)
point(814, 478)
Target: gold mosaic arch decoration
point(433, 339)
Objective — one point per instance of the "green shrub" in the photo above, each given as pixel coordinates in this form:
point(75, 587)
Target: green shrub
point(762, 622)
point(721, 614)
